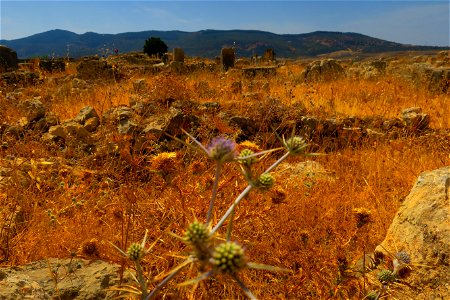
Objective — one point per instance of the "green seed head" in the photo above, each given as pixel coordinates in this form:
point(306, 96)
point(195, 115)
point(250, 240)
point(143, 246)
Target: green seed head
point(228, 257)
point(266, 181)
point(296, 145)
point(197, 233)
point(248, 161)
point(386, 276)
point(135, 252)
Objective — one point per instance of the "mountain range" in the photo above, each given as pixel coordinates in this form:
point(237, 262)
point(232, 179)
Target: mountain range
point(204, 43)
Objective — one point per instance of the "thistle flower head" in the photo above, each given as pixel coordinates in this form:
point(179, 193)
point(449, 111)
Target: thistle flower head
point(248, 161)
point(296, 145)
point(135, 252)
point(197, 233)
point(228, 257)
point(386, 276)
point(221, 149)
point(265, 181)
point(403, 257)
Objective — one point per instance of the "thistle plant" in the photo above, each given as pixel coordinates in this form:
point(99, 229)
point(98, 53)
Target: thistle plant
point(135, 253)
point(211, 254)
point(387, 280)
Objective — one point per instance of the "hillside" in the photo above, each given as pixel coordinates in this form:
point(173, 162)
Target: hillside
point(204, 43)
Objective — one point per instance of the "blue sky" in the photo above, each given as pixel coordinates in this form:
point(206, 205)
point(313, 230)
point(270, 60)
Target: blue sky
point(409, 22)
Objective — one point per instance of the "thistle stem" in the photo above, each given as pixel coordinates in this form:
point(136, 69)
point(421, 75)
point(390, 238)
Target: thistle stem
point(231, 209)
point(162, 284)
point(230, 226)
point(243, 194)
point(214, 192)
point(245, 289)
point(141, 279)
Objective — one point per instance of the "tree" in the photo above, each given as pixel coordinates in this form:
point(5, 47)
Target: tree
point(155, 45)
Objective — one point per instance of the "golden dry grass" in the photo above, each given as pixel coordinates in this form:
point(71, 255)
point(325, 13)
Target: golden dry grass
point(306, 225)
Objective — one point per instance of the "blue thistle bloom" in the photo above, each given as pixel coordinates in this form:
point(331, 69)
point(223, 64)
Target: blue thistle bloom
point(221, 149)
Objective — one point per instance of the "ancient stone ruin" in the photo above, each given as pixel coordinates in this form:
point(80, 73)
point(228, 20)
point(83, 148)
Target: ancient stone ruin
point(227, 58)
point(178, 55)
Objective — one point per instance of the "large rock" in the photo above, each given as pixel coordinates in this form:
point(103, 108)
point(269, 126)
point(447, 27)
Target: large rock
point(415, 119)
point(322, 70)
point(8, 59)
point(34, 109)
point(71, 279)
point(421, 228)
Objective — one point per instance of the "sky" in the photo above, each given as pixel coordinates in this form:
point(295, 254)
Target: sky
point(408, 22)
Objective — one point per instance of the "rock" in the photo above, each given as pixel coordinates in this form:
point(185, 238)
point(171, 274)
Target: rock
point(415, 119)
point(77, 279)
point(421, 228)
point(44, 124)
point(76, 130)
point(8, 59)
point(80, 84)
point(177, 67)
point(262, 71)
point(92, 124)
point(246, 125)
point(322, 70)
point(33, 109)
point(86, 113)
point(170, 122)
point(143, 108)
point(439, 80)
point(116, 114)
point(14, 130)
point(53, 65)
point(58, 131)
point(140, 86)
point(309, 125)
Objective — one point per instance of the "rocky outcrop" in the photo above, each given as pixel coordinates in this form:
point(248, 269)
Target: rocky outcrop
point(414, 119)
point(59, 279)
point(421, 229)
point(93, 68)
point(322, 70)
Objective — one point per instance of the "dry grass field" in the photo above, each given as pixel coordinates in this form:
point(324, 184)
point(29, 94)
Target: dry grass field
point(63, 199)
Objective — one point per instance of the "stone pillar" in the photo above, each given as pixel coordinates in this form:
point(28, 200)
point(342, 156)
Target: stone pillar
point(227, 58)
point(178, 55)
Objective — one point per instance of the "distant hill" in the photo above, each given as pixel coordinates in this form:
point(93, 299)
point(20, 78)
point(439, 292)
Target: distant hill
point(204, 43)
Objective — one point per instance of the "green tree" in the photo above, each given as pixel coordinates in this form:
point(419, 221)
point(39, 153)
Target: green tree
point(155, 46)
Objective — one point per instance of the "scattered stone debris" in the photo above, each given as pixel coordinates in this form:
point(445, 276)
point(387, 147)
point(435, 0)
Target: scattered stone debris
point(59, 279)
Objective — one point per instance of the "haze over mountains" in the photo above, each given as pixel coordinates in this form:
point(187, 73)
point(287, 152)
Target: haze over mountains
point(204, 43)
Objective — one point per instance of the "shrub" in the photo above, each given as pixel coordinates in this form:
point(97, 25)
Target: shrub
point(155, 46)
